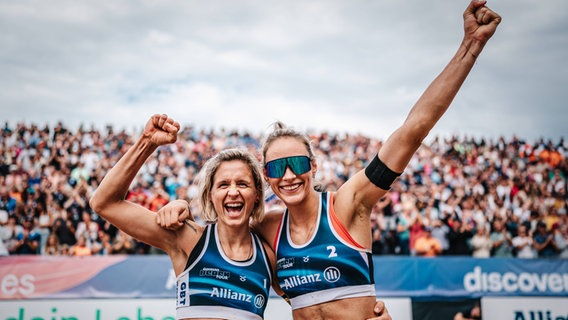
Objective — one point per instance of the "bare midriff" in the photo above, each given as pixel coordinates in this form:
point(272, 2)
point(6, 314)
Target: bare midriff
point(352, 309)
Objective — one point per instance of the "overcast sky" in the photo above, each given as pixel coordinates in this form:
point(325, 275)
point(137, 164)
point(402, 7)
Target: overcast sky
point(340, 66)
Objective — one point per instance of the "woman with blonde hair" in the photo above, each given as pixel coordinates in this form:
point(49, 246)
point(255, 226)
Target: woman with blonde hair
point(324, 238)
point(203, 257)
point(52, 245)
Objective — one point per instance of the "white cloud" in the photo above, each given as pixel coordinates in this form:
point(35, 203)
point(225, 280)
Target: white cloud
point(335, 65)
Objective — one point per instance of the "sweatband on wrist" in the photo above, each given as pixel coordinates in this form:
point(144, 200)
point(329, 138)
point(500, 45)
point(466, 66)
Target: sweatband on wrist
point(379, 174)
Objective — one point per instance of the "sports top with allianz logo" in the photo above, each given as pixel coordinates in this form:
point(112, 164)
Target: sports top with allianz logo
point(328, 267)
point(213, 285)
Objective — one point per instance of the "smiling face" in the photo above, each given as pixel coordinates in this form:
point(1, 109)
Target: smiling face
point(233, 193)
point(291, 188)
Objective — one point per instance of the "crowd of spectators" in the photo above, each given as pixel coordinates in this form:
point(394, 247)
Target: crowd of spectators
point(458, 196)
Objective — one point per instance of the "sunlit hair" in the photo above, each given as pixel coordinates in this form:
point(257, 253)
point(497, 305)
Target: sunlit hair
point(210, 169)
point(280, 130)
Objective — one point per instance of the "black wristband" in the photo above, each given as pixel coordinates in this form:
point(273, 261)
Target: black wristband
point(379, 174)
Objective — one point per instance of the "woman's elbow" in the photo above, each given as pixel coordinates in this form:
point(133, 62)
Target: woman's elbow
point(96, 203)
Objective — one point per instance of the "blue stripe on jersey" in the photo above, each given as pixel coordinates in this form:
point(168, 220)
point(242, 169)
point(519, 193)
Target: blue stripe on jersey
point(324, 262)
point(212, 279)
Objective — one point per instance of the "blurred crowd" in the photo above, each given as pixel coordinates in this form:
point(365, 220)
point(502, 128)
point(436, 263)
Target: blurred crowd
point(458, 196)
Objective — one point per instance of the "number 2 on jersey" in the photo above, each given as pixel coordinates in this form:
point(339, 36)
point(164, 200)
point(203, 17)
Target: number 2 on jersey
point(332, 253)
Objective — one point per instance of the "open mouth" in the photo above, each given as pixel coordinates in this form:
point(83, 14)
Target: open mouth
point(234, 208)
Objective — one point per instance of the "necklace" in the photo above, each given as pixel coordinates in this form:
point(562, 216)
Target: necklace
point(247, 257)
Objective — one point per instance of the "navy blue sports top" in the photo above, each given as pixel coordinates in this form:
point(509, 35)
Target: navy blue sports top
point(330, 266)
point(214, 286)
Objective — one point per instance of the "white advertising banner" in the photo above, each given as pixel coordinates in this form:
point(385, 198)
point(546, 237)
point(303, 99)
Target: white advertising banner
point(88, 309)
point(399, 308)
point(524, 308)
point(141, 309)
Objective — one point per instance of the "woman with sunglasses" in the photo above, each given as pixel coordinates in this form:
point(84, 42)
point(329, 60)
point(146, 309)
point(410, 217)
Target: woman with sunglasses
point(204, 258)
point(322, 240)
point(210, 262)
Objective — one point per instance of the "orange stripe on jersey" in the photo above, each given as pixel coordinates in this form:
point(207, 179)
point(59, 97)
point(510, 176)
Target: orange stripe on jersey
point(339, 227)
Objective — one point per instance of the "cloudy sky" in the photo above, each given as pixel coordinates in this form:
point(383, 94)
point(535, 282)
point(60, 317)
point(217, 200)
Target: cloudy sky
point(341, 66)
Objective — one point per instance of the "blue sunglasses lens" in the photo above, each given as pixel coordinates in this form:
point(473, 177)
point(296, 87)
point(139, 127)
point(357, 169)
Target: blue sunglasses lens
point(298, 164)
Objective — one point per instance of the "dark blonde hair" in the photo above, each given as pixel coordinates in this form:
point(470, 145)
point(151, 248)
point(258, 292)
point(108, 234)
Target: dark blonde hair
point(209, 171)
point(280, 130)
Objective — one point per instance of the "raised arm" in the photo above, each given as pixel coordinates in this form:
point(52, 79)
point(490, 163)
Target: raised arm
point(480, 24)
point(109, 198)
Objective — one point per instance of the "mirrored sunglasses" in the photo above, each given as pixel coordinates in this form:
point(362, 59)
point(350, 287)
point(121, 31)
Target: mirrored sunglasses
point(298, 165)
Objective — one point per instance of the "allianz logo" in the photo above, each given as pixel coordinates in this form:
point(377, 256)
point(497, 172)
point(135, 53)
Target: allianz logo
point(330, 274)
point(538, 315)
point(224, 293)
point(479, 281)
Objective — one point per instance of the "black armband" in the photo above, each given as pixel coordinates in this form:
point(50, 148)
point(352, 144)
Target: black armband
point(379, 174)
